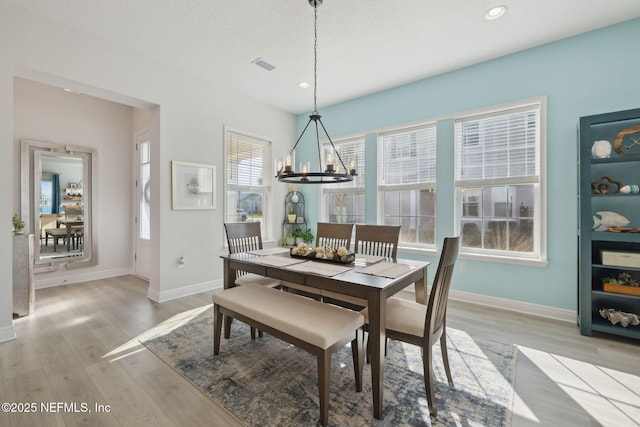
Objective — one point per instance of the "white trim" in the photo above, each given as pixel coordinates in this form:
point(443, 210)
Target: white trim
point(503, 259)
point(164, 296)
point(519, 307)
point(516, 306)
point(7, 334)
point(86, 277)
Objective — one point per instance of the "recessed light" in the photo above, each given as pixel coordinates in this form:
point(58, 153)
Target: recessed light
point(303, 85)
point(71, 91)
point(495, 12)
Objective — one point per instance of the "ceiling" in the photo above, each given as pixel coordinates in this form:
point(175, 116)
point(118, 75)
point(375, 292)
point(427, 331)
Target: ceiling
point(363, 46)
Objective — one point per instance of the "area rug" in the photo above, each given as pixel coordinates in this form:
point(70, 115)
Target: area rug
point(267, 382)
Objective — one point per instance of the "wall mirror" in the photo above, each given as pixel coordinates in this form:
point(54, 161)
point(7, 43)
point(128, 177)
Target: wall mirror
point(57, 203)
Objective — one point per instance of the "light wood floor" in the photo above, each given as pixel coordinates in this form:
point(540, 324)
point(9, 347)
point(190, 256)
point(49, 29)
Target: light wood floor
point(80, 346)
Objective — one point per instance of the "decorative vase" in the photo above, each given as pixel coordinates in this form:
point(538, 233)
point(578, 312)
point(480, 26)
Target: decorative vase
point(294, 197)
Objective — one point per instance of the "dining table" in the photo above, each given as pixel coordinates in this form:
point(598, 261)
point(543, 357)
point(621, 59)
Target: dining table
point(371, 278)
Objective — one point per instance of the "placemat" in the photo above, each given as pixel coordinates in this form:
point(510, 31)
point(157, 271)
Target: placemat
point(369, 259)
point(320, 268)
point(269, 251)
point(387, 269)
point(275, 260)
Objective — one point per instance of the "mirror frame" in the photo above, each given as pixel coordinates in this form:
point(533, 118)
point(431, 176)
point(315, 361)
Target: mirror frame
point(31, 176)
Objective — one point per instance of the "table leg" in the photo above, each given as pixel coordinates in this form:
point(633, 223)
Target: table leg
point(421, 288)
point(68, 237)
point(377, 337)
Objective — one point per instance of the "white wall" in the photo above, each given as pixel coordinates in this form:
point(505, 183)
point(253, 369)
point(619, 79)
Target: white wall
point(187, 116)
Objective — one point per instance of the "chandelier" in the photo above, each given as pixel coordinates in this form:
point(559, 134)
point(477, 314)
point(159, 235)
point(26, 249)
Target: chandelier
point(332, 172)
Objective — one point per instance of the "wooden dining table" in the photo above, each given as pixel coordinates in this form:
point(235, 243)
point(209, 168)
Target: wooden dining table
point(365, 279)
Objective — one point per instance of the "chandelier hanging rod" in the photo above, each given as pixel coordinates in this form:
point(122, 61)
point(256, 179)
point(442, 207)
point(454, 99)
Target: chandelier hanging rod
point(285, 170)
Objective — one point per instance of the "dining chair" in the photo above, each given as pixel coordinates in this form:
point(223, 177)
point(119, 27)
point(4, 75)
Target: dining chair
point(380, 240)
point(77, 231)
point(424, 325)
point(334, 235)
point(244, 237)
point(329, 234)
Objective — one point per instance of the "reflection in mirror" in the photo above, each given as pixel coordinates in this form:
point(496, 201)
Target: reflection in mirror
point(56, 197)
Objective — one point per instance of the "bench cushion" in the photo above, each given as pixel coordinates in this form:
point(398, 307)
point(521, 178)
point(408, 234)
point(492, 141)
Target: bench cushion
point(321, 325)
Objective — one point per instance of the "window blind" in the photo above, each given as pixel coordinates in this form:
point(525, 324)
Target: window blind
point(408, 156)
point(498, 147)
point(247, 159)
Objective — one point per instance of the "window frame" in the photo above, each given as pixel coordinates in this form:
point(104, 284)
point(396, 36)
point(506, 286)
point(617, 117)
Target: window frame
point(426, 185)
point(266, 187)
point(538, 180)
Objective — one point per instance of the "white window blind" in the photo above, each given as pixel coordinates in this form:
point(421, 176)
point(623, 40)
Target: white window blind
point(498, 148)
point(247, 158)
point(408, 156)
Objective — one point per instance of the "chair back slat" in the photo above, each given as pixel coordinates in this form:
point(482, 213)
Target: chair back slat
point(380, 240)
point(437, 305)
point(331, 235)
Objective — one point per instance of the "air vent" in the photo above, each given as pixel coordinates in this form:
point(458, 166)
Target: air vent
point(263, 64)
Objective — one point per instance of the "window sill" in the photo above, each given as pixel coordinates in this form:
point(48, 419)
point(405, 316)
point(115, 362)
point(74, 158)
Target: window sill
point(504, 259)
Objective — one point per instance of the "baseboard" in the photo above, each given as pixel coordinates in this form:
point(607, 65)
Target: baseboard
point(184, 291)
point(7, 333)
point(72, 277)
point(516, 306)
point(508, 304)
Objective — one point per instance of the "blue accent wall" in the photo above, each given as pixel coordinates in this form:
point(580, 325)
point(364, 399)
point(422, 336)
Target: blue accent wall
point(592, 73)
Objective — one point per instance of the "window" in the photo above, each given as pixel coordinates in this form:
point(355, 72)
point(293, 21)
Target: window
point(247, 179)
point(407, 182)
point(144, 216)
point(344, 202)
point(498, 183)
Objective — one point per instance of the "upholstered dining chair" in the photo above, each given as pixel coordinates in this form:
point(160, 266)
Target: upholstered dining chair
point(334, 235)
point(331, 235)
point(380, 240)
point(244, 237)
point(424, 325)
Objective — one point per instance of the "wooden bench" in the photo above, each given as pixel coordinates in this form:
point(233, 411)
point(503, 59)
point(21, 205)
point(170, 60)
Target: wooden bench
point(318, 328)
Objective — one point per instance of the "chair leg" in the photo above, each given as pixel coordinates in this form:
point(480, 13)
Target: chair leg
point(324, 379)
point(445, 356)
point(357, 353)
point(253, 332)
point(428, 379)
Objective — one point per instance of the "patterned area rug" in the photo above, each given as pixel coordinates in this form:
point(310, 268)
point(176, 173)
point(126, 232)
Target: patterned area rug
point(267, 382)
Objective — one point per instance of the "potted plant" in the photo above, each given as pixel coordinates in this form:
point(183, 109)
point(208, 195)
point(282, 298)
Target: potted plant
point(291, 216)
point(18, 224)
point(298, 233)
point(307, 235)
point(623, 284)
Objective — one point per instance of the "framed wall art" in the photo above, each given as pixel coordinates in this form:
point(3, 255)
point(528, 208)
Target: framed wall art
point(193, 186)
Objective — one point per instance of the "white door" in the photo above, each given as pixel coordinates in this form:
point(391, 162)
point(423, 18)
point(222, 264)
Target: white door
point(143, 218)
